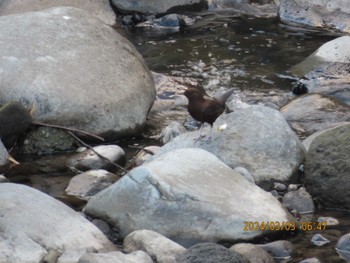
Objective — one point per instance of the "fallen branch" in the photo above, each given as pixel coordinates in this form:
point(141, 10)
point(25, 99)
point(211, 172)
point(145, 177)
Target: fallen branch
point(99, 155)
point(68, 129)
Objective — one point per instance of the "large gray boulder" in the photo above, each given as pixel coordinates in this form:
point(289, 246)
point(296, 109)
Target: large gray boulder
point(256, 138)
point(154, 6)
point(327, 168)
point(334, 51)
point(77, 71)
point(34, 224)
point(187, 195)
point(100, 9)
point(329, 14)
point(313, 112)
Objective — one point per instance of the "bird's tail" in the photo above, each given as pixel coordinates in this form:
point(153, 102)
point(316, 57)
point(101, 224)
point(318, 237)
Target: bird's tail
point(224, 97)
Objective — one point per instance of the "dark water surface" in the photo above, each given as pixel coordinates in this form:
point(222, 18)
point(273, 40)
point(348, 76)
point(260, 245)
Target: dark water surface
point(251, 55)
point(230, 51)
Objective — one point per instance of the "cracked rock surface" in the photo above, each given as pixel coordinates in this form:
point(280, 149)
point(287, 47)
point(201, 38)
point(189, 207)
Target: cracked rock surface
point(188, 195)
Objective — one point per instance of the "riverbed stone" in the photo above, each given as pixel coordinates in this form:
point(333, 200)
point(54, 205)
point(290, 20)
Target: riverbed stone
point(182, 190)
point(299, 200)
point(4, 155)
point(89, 77)
point(310, 113)
point(307, 142)
point(343, 247)
point(327, 56)
point(33, 224)
point(155, 6)
point(253, 253)
point(116, 257)
point(327, 168)
point(100, 9)
point(47, 140)
point(96, 158)
point(328, 14)
point(160, 248)
point(280, 249)
point(89, 183)
point(211, 252)
point(265, 8)
point(256, 138)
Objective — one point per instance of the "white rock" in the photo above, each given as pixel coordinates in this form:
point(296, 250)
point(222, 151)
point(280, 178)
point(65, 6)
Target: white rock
point(257, 138)
point(89, 160)
point(101, 9)
point(253, 253)
point(186, 195)
point(151, 6)
point(157, 246)
point(87, 184)
point(33, 223)
point(116, 257)
point(79, 72)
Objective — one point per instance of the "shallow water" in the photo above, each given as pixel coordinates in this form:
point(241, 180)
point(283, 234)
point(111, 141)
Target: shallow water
point(225, 50)
point(252, 55)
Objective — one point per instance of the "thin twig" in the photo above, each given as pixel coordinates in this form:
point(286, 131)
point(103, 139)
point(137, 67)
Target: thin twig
point(68, 129)
point(99, 155)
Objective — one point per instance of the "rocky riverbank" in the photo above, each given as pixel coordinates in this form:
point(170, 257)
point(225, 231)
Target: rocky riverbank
point(262, 177)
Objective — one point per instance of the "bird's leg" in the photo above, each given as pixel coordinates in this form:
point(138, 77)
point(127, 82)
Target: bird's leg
point(200, 133)
point(209, 135)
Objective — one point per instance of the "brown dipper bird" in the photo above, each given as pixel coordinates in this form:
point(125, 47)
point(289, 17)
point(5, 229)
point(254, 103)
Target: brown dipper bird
point(204, 108)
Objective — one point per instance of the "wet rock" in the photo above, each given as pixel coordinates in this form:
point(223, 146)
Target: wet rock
point(15, 119)
point(170, 195)
point(280, 187)
point(250, 133)
point(299, 200)
point(292, 187)
point(319, 240)
point(246, 7)
point(34, 223)
point(331, 79)
point(211, 252)
point(112, 87)
point(313, 112)
point(3, 179)
point(145, 154)
point(157, 6)
point(281, 249)
point(171, 22)
point(160, 248)
point(333, 52)
point(253, 253)
point(46, 140)
point(331, 221)
point(89, 160)
point(116, 257)
point(327, 168)
point(88, 184)
point(307, 142)
point(4, 155)
point(171, 131)
point(100, 9)
point(310, 260)
point(343, 247)
point(330, 14)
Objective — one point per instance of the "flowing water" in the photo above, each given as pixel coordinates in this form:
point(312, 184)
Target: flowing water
point(252, 55)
